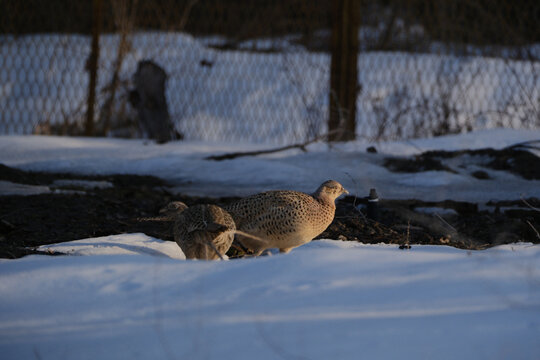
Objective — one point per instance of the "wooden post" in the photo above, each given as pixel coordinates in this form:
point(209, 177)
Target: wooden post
point(92, 65)
point(343, 70)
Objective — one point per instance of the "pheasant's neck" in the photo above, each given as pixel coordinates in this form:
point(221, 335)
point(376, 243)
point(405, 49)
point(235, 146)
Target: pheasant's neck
point(326, 200)
point(325, 214)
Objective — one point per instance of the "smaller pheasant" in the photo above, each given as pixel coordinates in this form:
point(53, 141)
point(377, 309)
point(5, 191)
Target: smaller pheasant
point(202, 231)
point(285, 219)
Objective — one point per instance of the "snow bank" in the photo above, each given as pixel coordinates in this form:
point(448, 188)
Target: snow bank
point(327, 299)
point(128, 244)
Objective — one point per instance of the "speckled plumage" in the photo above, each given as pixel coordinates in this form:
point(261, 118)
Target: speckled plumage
point(201, 230)
point(285, 219)
point(172, 209)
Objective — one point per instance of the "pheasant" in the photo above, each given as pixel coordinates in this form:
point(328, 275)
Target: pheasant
point(202, 231)
point(284, 219)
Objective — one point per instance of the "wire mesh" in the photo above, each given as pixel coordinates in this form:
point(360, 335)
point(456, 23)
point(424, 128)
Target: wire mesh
point(259, 71)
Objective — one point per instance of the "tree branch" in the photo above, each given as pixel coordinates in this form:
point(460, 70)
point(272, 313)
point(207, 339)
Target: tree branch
point(301, 146)
point(525, 145)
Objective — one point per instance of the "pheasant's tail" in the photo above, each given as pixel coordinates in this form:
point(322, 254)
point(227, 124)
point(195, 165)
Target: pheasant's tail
point(250, 236)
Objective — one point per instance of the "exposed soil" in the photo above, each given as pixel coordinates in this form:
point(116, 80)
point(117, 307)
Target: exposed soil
point(72, 212)
point(464, 226)
point(520, 162)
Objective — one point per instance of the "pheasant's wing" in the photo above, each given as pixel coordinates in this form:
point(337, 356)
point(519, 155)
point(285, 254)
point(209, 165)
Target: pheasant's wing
point(258, 206)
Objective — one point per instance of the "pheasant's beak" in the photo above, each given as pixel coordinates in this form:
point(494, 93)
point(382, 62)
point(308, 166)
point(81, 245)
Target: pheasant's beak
point(344, 191)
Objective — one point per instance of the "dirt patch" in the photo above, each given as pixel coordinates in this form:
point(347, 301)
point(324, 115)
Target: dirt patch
point(72, 212)
point(458, 224)
point(519, 162)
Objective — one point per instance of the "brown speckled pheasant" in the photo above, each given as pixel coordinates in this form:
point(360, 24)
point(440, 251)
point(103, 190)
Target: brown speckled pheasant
point(172, 210)
point(285, 219)
point(202, 231)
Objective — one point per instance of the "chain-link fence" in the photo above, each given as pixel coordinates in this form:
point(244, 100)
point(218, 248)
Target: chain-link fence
point(260, 70)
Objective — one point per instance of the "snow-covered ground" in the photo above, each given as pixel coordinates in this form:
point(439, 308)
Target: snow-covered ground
point(134, 297)
point(183, 165)
point(325, 300)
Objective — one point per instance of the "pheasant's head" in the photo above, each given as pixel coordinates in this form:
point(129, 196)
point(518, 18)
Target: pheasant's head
point(173, 208)
point(329, 191)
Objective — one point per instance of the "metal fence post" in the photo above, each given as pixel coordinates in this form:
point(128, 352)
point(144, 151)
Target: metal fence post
point(92, 65)
point(343, 70)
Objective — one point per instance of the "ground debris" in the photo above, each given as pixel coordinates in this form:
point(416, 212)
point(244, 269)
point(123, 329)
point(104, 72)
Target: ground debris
point(27, 222)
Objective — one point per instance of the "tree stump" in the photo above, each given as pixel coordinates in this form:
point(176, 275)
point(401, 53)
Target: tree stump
point(149, 99)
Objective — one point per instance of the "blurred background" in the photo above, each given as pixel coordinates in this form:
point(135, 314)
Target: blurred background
point(268, 71)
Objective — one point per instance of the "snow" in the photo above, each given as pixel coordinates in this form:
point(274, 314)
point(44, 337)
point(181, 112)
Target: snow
point(128, 244)
point(61, 186)
point(85, 184)
point(11, 188)
point(327, 299)
point(435, 210)
point(246, 95)
point(183, 165)
point(131, 296)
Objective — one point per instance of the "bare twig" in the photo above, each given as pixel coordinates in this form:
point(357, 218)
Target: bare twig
point(166, 42)
point(186, 13)
point(445, 222)
point(301, 146)
point(406, 245)
point(408, 232)
point(211, 244)
point(528, 95)
point(356, 196)
point(343, 114)
point(529, 205)
point(295, 75)
point(525, 145)
point(125, 20)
